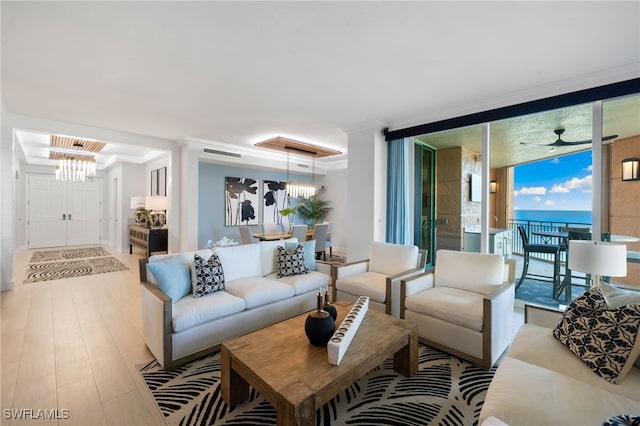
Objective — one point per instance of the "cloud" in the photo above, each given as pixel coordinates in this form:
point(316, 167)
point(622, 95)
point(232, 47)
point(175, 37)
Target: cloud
point(589, 168)
point(584, 184)
point(537, 198)
point(534, 190)
point(549, 203)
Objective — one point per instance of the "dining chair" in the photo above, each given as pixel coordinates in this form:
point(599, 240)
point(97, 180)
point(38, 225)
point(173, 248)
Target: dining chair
point(329, 242)
point(246, 234)
point(299, 233)
point(529, 248)
point(320, 235)
point(270, 228)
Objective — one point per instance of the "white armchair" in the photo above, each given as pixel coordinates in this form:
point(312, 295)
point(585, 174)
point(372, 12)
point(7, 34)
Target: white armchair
point(464, 306)
point(378, 277)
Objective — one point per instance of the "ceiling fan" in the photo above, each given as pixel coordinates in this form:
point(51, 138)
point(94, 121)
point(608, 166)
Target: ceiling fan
point(560, 142)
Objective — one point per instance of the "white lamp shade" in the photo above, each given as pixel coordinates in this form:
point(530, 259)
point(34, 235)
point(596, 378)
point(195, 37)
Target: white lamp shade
point(598, 258)
point(156, 202)
point(137, 202)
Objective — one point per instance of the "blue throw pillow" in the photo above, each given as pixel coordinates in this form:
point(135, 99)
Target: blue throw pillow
point(309, 251)
point(173, 276)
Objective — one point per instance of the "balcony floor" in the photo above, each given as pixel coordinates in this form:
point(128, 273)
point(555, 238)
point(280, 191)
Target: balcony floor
point(539, 292)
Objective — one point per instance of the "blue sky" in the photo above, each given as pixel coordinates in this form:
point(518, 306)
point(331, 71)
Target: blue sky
point(560, 183)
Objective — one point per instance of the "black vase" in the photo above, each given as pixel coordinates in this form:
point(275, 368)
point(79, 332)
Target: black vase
point(319, 327)
point(331, 309)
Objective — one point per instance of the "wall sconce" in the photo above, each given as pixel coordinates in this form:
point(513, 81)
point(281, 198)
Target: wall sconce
point(631, 169)
point(493, 187)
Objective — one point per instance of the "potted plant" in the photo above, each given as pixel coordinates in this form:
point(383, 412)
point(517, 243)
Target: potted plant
point(314, 209)
point(286, 212)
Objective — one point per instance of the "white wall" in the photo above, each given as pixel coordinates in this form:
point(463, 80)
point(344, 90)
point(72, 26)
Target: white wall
point(130, 182)
point(367, 192)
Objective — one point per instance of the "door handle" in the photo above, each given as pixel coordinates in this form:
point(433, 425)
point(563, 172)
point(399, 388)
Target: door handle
point(64, 216)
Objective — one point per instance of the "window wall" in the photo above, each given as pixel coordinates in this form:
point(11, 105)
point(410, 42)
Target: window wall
point(560, 142)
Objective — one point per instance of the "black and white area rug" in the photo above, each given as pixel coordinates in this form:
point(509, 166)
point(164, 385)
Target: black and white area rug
point(444, 391)
point(66, 254)
point(45, 271)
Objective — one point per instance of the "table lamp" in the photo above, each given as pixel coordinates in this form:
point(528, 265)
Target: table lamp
point(598, 259)
point(138, 204)
point(158, 205)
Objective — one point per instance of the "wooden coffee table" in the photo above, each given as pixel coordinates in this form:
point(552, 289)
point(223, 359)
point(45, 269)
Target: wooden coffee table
point(296, 377)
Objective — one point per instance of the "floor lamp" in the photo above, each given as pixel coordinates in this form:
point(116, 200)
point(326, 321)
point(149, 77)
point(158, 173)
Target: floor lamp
point(600, 259)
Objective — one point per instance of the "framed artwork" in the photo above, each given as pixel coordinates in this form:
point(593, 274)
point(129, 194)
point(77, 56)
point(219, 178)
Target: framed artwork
point(242, 206)
point(162, 181)
point(154, 182)
point(275, 199)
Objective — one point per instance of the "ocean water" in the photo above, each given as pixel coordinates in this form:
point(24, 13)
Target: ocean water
point(563, 216)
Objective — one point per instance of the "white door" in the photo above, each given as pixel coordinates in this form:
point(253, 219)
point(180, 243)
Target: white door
point(63, 213)
point(47, 206)
point(83, 212)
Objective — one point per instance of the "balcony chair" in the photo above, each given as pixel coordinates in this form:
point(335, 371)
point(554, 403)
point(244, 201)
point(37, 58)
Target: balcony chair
point(464, 306)
point(320, 235)
point(529, 248)
point(378, 277)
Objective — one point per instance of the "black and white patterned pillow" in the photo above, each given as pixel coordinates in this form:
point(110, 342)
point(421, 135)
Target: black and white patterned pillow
point(622, 420)
point(606, 340)
point(290, 262)
point(209, 275)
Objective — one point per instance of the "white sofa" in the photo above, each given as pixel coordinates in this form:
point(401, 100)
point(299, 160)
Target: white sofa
point(541, 382)
point(464, 306)
point(378, 277)
point(253, 297)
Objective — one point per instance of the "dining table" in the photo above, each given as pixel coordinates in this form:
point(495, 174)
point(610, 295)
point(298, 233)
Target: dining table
point(274, 236)
point(271, 236)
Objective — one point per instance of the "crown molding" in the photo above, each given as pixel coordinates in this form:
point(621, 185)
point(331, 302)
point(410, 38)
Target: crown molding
point(587, 81)
point(365, 125)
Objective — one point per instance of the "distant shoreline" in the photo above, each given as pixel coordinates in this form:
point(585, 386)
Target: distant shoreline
point(561, 216)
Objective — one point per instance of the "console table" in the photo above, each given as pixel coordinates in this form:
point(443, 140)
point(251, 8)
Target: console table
point(147, 238)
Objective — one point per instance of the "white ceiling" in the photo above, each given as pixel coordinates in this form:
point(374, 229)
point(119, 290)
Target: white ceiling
point(241, 72)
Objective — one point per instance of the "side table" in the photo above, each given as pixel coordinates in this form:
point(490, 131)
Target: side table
point(148, 238)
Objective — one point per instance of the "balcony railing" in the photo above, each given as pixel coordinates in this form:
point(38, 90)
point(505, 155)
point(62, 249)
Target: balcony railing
point(532, 226)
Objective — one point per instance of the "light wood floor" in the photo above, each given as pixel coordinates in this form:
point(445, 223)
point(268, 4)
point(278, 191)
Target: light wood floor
point(74, 344)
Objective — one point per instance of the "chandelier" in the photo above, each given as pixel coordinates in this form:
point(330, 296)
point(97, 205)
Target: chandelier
point(75, 157)
point(75, 170)
point(301, 189)
point(279, 143)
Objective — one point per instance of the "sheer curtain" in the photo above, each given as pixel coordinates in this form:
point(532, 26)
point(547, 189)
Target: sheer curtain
point(398, 192)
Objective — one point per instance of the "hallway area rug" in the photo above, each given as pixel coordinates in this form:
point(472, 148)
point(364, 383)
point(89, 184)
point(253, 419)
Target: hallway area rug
point(66, 254)
point(445, 390)
point(46, 271)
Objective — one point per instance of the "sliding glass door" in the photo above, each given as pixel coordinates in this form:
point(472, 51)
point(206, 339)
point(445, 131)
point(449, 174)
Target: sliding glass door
point(424, 196)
